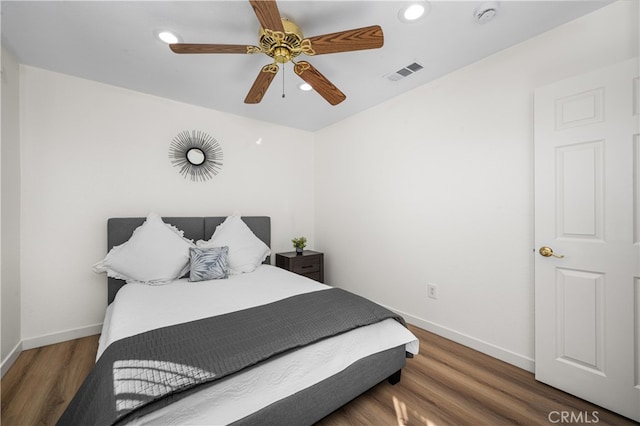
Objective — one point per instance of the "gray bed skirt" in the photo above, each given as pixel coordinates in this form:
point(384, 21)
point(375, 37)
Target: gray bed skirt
point(314, 403)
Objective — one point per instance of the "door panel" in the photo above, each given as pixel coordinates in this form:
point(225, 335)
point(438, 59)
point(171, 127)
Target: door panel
point(580, 109)
point(579, 311)
point(579, 190)
point(636, 188)
point(636, 289)
point(587, 209)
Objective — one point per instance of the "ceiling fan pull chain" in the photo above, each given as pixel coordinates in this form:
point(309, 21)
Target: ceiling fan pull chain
point(283, 68)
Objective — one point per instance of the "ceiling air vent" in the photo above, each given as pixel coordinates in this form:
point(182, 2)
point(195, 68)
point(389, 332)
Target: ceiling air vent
point(405, 72)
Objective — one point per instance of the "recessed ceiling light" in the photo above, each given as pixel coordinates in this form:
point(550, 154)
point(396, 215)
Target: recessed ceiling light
point(305, 87)
point(168, 37)
point(414, 11)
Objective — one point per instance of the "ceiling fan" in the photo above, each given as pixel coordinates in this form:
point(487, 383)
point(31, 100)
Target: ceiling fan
point(282, 40)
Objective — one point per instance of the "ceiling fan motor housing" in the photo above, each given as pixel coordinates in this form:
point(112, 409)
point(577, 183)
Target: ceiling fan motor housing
point(282, 47)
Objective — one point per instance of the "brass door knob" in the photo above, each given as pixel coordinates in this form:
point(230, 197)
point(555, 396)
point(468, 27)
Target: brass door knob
point(548, 252)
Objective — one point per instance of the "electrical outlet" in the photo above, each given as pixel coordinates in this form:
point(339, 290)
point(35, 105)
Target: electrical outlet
point(432, 291)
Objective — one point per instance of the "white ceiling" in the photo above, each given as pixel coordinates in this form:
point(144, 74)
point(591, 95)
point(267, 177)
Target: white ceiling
point(114, 42)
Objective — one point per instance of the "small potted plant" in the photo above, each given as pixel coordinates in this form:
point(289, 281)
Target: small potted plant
point(299, 243)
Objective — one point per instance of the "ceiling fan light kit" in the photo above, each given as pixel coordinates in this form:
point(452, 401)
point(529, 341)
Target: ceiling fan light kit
point(282, 40)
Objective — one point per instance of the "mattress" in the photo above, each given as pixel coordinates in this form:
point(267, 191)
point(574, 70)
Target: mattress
point(139, 308)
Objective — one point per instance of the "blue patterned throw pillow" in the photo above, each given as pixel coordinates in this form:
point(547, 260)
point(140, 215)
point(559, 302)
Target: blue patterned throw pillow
point(208, 263)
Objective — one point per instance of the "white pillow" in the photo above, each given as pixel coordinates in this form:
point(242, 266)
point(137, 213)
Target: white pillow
point(156, 253)
point(246, 251)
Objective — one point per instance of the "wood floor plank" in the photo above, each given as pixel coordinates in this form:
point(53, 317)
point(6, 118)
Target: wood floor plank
point(41, 383)
point(446, 384)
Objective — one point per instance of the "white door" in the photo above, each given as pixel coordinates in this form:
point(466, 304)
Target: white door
point(587, 209)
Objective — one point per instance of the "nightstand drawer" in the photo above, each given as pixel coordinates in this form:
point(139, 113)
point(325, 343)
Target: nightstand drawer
point(305, 266)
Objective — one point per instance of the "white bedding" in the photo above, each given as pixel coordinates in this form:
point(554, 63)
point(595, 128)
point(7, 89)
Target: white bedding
point(139, 308)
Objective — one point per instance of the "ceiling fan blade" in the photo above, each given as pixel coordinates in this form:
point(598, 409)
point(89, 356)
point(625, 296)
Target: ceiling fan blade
point(349, 40)
point(268, 14)
point(212, 48)
point(260, 86)
point(319, 82)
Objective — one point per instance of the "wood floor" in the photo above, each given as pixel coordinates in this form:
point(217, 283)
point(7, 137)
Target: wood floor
point(446, 384)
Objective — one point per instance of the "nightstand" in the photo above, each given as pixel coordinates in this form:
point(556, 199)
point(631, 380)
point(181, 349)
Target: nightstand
point(309, 263)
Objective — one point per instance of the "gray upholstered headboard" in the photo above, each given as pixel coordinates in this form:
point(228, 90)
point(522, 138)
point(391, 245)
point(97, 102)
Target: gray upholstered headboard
point(119, 231)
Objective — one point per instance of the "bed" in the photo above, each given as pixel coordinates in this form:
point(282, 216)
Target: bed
point(299, 384)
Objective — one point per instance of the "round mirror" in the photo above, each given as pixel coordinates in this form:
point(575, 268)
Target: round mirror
point(195, 156)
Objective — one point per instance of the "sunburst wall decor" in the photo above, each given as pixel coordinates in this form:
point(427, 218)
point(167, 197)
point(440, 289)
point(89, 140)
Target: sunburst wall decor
point(197, 155)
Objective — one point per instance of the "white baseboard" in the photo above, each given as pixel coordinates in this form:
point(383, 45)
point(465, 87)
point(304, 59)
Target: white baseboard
point(10, 359)
point(63, 336)
point(487, 348)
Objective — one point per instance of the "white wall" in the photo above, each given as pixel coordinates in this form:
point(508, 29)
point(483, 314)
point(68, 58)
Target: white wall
point(10, 210)
point(435, 186)
point(92, 151)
